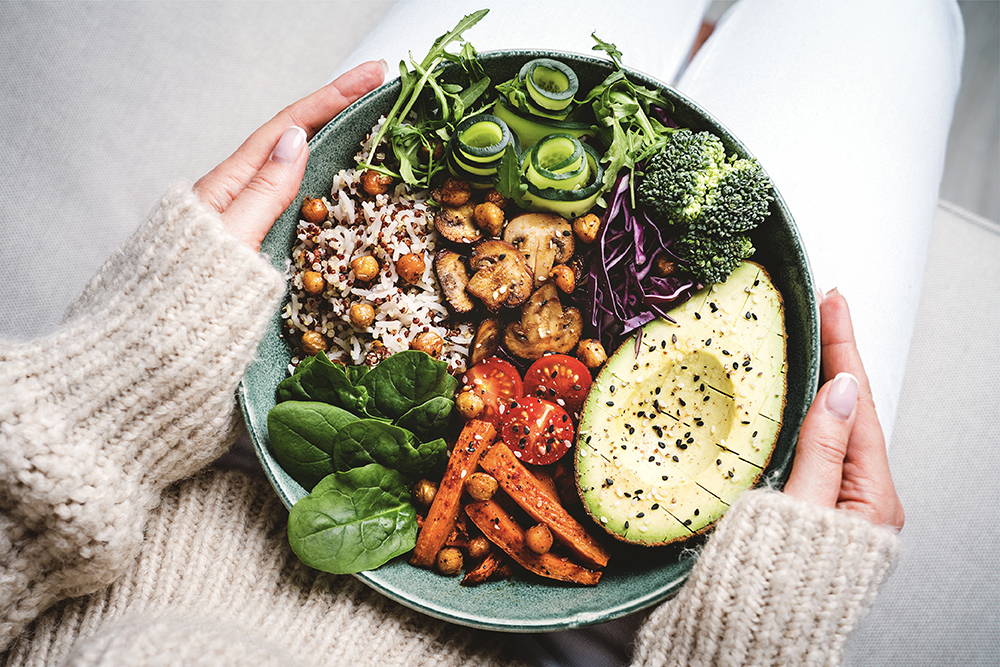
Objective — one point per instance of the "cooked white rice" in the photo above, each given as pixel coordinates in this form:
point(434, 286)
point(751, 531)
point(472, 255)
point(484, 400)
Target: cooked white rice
point(385, 227)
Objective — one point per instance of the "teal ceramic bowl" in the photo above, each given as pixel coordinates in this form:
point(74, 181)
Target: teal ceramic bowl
point(637, 578)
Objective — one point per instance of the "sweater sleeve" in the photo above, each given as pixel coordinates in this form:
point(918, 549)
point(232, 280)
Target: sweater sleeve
point(132, 392)
point(779, 582)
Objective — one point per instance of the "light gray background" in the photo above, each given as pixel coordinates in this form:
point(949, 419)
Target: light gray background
point(102, 105)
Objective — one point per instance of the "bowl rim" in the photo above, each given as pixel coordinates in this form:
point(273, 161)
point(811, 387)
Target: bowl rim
point(775, 474)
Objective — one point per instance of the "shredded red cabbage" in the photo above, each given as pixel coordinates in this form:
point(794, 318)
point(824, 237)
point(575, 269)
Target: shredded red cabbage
point(622, 292)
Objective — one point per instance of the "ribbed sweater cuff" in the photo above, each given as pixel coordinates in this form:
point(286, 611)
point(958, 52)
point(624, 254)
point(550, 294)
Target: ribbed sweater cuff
point(132, 392)
point(779, 582)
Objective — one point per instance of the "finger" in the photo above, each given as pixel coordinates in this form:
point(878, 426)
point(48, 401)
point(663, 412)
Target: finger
point(840, 355)
point(270, 190)
point(219, 187)
point(819, 455)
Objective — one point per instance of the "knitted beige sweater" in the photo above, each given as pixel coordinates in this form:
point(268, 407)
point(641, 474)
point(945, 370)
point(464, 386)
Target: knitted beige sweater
point(107, 558)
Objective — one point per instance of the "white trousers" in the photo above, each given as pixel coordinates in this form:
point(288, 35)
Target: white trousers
point(847, 104)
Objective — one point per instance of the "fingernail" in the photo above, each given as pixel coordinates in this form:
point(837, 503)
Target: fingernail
point(385, 67)
point(833, 292)
point(290, 145)
point(843, 395)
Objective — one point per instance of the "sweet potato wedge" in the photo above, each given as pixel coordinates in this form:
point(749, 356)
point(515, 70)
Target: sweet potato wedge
point(547, 482)
point(537, 500)
point(440, 520)
point(486, 569)
point(501, 529)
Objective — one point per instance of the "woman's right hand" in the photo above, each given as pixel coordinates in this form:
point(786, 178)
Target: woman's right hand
point(252, 187)
point(840, 458)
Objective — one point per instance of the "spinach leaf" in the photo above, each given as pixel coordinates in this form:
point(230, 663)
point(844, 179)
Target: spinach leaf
point(319, 379)
point(404, 381)
point(302, 436)
point(353, 521)
point(355, 372)
point(428, 418)
point(368, 441)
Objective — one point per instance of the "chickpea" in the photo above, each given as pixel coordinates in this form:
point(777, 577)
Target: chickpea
point(410, 268)
point(586, 227)
point(664, 267)
point(494, 197)
point(375, 183)
point(362, 315)
point(449, 561)
point(438, 150)
point(313, 210)
point(365, 267)
point(591, 353)
point(489, 218)
point(538, 538)
point(470, 404)
point(565, 277)
point(312, 282)
point(481, 486)
point(453, 193)
point(428, 342)
point(478, 547)
point(313, 342)
point(424, 492)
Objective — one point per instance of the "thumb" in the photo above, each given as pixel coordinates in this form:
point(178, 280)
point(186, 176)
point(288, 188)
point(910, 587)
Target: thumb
point(270, 190)
point(819, 455)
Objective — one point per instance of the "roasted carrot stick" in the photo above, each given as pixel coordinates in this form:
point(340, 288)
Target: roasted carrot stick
point(440, 520)
point(501, 529)
point(537, 500)
point(482, 572)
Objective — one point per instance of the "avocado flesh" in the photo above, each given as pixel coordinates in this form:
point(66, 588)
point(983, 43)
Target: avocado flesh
point(670, 437)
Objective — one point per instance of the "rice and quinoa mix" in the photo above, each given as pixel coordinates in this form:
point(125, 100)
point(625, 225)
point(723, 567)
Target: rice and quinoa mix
point(386, 227)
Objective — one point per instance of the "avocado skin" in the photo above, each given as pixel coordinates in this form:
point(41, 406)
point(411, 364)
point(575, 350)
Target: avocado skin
point(743, 316)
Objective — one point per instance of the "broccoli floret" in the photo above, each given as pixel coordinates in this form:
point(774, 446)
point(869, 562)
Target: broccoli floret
point(679, 180)
point(712, 259)
point(738, 203)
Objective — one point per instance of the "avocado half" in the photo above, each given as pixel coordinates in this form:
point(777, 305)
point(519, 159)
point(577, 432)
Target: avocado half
point(677, 425)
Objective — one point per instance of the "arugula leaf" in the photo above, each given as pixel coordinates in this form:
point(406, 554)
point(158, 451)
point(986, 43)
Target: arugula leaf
point(404, 381)
point(302, 436)
point(353, 521)
point(623, 110)
point(441, 110)
point(371, 441)
point(613, 52)
point(319, 379)
point(509, 182)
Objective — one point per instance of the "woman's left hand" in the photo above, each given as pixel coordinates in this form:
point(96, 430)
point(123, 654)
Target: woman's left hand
point(252, 187)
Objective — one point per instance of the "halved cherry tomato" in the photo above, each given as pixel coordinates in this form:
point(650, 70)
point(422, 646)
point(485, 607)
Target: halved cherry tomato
point(537, 431)
point(498, 383)
point(559, 378)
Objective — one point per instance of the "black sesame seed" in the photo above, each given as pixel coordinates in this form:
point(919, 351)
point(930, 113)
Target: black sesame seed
point(676, 460)
point(687, 522)
point(708, 342)
point(673, 338)
point(697, 511)
point(664, 477)
point(640, 515)
point(626, 525)
point(611, 404)
point(652, 458)
point(697, 316)
point(655, 506)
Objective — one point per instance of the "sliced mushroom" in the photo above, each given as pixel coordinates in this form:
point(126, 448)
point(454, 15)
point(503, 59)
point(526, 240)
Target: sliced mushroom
point(453, 278)
point(485, 342)
point(457, 224)
point(502, 278)
point(545, 326)
point(545, 239)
